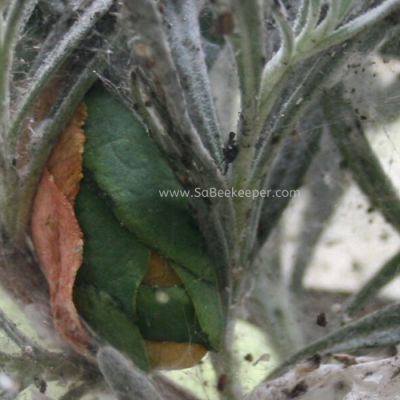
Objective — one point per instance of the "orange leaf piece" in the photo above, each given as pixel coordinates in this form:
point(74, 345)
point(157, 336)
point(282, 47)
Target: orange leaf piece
point(159, 272)
point(56, 234)
point(174, 355)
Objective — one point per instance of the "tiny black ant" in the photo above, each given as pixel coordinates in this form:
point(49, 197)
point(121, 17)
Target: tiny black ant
point(230, 152)
point(321, 319)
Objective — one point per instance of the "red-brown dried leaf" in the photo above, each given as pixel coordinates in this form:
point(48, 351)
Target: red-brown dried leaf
point(56, 233)
point(65, 162)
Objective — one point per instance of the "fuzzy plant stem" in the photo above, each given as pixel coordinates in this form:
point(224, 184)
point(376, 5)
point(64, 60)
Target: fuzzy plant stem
point(248, 45)
point(52, 62)
point(9, 32)
point(311, 86)
point(186, 43)
point(12, 204)
point(324, 192)
point(378, 329)
point(271, 302)
point(126, 381)
point(287, 173)
point(50, 134)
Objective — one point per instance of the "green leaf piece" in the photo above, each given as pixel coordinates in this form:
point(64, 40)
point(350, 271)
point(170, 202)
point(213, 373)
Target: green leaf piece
point(103, 314)
point(114, 260)
point(205, 299)
point(129, 172)
point(166, 314)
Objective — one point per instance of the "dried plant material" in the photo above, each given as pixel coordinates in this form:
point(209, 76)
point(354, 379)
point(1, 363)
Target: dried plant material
point(224, 24)
point(309, 365)
point(264, 357)
point(55, 231)
point(159, 272)
point(298, 390)
point(65, 162)
point(173, 355)
point(377, 379)
point(345, 359)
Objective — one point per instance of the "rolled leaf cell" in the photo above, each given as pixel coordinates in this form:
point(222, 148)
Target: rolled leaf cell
point(146, 283)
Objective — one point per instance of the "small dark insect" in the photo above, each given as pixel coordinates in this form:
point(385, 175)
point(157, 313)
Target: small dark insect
point(308, 365)
point(300, 389)
point(321, 319)
point(40, 384)
point(248, 357)
point(222, 381)
point(345, 359)
point(230, 152)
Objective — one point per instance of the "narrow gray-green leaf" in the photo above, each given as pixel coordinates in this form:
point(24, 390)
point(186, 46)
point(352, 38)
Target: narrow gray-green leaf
point(288, 172)
point(186, 47)
point(370, 289)
point(125, 380)
point(347, 133)
point(377, 329)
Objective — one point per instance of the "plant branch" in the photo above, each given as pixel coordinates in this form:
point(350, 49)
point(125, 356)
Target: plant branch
point(248, 45)
point(314, 39)
point(301, 19)
point(377, 329)
point(363, 22)
point(331, 20)
point(371, 288)
point(11, 330)
point(334, 381)
point(345, 6)
point(9, 31)
point(366, 168)
point(124, 379)
point(146, 20)
point(186, 44)
point(79, 391)
point(324, 192)
point(314, 10)
point(319, 76)
point(306, 91)
point(52, 130)
point(287, 173)
point(52, 62)
point(271, 303)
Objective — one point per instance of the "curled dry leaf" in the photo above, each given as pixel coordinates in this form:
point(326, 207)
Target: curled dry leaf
point(56, 234)
point(174, 355)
